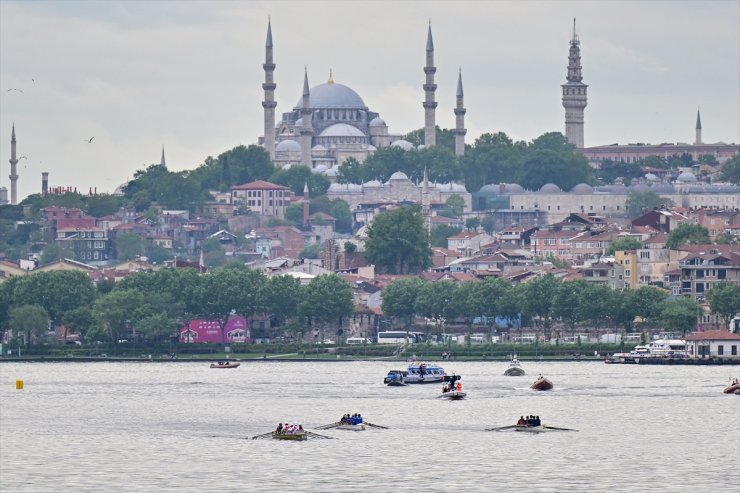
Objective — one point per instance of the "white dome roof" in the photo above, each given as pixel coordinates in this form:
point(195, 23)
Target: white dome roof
point(686, 177)
point(550, 188)
point(342, 130)
point(298, 122)
point(288, 146)
point(651, 177)
point(582, 189)
point(399, 175)
point(318, 148)
point(331, 172)
point(421, 146)
point(377, 122)
point(372, 183)
point(371, 147)
point(403, 144)
point(333, 95)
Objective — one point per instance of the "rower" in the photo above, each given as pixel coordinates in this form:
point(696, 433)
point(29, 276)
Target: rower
point(521, 422)
point(279, 429)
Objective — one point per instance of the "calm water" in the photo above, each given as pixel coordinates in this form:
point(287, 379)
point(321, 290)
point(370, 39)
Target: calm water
point(182, 426)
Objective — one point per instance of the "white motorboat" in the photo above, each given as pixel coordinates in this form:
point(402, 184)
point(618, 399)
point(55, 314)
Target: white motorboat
point(419, 372)
point(453, 395)
point(515, 368)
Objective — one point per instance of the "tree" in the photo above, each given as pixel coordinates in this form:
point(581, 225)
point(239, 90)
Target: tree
point(103, 204)
point(31, 320)
point(724, 300)
point(57, 291)
point(351, 171)
point(157, 254)
point(312, 251)
point(55, 251)
point(645, 302)
point(296, 178)
point(441, 232)
point(569, 302)
point(398, 242)
point(399, 299)
point(687, 233)
point(341, 212)
point(128, 246)
point(436, 300)
point(444, 138)
point(454, 207)
point(78, 320)
point(326, 299)
point(624, 243)
point(679, 314)
point(638, 203)
point(280, 297)
point(537, 297)
point(213, 253)
point(731, 171)
point(294, 214)
point(116, 312)
point(472, 223)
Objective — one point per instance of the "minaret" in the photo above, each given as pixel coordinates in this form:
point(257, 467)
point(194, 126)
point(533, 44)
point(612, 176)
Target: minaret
point(426, 203)
point(459, 119)
point(306, 127)
point(162, 161)
point(306, 203)
point(269, 103)
point(45, 183)
point(13, 171)
point(698, 128)
point(574, 94)
point(429, 87)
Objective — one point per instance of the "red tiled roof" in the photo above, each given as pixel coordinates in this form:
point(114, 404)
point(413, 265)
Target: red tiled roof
point(722, 335)
point(259, 185)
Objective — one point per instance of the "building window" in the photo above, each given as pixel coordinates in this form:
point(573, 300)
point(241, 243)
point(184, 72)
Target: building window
point(720, 350)
point(733, 350)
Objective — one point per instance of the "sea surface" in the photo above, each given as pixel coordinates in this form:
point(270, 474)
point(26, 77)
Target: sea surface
point(160, 427)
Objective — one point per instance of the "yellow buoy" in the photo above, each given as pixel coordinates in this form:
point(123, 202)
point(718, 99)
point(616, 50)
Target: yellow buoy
point(19, 384)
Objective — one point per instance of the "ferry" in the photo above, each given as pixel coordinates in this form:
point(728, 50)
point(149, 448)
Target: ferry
point(420, 372)
point(661, 348)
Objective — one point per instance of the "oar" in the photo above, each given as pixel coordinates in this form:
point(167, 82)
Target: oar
point(499, 428)
point(264, 435)
point(376, 426)
point(556, 428)
point(329, 426)
point(316, 435)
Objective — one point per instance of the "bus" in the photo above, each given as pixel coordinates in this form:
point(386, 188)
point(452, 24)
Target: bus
point(400, 337)
point(358, 340)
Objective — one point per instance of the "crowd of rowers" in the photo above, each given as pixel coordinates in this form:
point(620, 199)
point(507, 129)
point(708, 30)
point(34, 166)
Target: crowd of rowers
point(529, 421)
point(288, 429)
point(351, 419)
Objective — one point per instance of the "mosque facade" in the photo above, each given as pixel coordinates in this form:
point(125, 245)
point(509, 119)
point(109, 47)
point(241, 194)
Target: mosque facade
point(331, 123)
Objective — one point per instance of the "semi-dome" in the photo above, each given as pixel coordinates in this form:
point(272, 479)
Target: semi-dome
point(550, 188)
point(342, 130)
point(372, 183)
point(298, 122)
point(377, 122)
point(288, 146)
point(318, 148)
point(582, 189)
point(513, 188)
point(490, 188)
point(686, 177)
point(399, 175)
point(333, 95)
point(371, 147)
point(403, 144)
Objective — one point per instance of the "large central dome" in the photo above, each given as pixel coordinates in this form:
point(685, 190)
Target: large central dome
point(333, 95)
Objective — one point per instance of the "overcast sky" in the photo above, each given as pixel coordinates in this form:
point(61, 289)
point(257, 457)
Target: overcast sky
point(137, 75)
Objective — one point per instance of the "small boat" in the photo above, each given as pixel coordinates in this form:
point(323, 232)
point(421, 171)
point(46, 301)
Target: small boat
point(542, 383)
point(515, 368)
point(452, 390)
point(351, 427)
point(225, 364)
point(734, 387)
point(454, 395)
point(395, 378)
point(290, 436)
point(530, 429)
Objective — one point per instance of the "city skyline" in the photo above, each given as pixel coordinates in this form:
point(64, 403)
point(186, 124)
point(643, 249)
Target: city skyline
point(136, 77)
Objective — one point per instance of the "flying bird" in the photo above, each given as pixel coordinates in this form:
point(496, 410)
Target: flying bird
point(16, 89)
point(90, 141)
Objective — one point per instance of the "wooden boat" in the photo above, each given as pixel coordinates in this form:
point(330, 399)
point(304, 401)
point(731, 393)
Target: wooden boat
point(226, 364)
point(515, 368)
point(349, 427)
point(530, 429)
point(734, 387)
point(542, 383)
point(453, 395)
point(290, 436)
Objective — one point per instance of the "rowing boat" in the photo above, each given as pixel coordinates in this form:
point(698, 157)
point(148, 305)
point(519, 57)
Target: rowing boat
point(221, 364)
point(349, 427)
point(290, 436)
point(542, 383)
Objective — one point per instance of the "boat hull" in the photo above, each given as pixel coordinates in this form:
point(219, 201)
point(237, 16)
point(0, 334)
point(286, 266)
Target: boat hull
point(542, 384)
point(514, 371)
point(733, 389)
point(453, 395)
point(530, 429)
point(395, 383)
point(359, 427)
point(298, 437)
point(227, 365)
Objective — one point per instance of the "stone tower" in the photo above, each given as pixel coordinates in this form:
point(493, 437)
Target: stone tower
point(44, 183)
point(306, 204)
point(459, 119)
point(269, 103)
point(574, 94)
point(13, 171)
point(698, 128)
point(430, 104)
point(306, 124)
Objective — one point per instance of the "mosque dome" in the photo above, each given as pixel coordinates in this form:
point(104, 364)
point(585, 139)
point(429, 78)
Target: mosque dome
point(342, 130)
point(490, 188)
point(686, 177)
point(333, 95)
point(288, 146)
point(298, 122)
point(651, 177)
point(403, 144)
point(318, 148)
point(377, 122)
point(582, 189)
point(372, 148)
point(513, 188)
point(399, 175)
point(372, 183)
point(550, 188)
